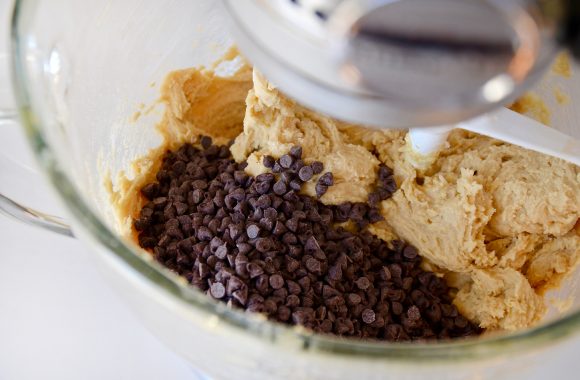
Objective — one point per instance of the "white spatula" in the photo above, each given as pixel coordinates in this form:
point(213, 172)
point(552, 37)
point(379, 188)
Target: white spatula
point(508, 126)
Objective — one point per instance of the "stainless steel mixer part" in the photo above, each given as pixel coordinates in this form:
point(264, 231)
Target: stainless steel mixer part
point(400, 63)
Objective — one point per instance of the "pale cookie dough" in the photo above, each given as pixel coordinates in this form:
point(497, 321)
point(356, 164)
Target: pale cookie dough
point(496, 220)
point(490, 205)
point(274, 123)
point(499, 297)
point(197, 101)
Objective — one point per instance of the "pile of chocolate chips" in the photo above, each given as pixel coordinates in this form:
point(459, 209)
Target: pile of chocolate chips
point(257, 244)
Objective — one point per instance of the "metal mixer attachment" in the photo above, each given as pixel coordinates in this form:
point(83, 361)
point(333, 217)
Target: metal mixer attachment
point(404, 63)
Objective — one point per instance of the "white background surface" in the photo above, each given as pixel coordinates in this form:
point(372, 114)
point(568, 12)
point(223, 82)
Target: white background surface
point(59, 320)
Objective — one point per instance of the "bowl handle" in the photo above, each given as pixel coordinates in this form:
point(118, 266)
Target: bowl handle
point(13, 171)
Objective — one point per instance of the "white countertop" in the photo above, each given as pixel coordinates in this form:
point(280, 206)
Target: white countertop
point(59, 320)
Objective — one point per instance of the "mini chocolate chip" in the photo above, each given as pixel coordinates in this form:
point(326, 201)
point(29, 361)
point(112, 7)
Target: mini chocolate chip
point(265, 177)
point(374, 215)
point(253, 231)
point(335, 273)
point(264, 244)
point(262, 283)
point(289, 238)
point(276, 281)
point(269, 161)
point(297, 165)
point(254, 270)
point(150, 191)
point(410, 252)
point(461, 322)
point(206, 142)
point(262, 187)
point(327, 179)
point(413, 313)
point(320, 189)
point(397, 308)
point(287, 176)
point(292, 301)
point(385, 172)
point(241, 296)
point(286, 161)
point(363, 283)
point(204, 234)
point(280, 188)
point(276, 168)
point(368, 316)
point(295, 185)
point(221, 252)
point(390, 186)
point(353, 299)
point(313, 265)
point(317, 167)
point(284, 313)
point(328, 291)
point(296, 152)
point(267, 223)
point(264, 201)
point(217, 290)
point(223, 230)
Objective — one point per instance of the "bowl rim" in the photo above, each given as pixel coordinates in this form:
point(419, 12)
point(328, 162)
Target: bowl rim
point(149, 271)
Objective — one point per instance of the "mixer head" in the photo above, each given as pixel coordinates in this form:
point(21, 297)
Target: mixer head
point(398, 63)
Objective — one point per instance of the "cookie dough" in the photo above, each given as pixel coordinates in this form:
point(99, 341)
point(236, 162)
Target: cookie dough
point(274, 123)
point(498, 221)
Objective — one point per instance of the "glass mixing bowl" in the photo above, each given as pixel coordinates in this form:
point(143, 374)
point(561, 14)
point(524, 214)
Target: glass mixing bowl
point(80, 71)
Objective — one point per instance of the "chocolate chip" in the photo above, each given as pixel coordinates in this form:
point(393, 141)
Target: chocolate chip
point(413, 313)
point(363, 283)
point(262, 187)
point(206, 142)
point(258, 244)
point(269, 161)
point(241, 296)
point(280, 188)
point(276, 281)
point(297, 165)
point(320, 189)
point(264, 244)
point(254, 270)
point(283, 313)
point(313, 265)
point(335, 273)
point(276, 168)
point(263, 201)
point(397, 308)
point(221, 252)
point(368, 316)
point(410, 252)
point(317, 167)
point(286, 161)
point(217, 290)
point(461, 322)
point(253, 231)
point(296, 152)
point(295, 185)
point(327, 179)
point(265, 177)
point(150, 191)
point(204, 234)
